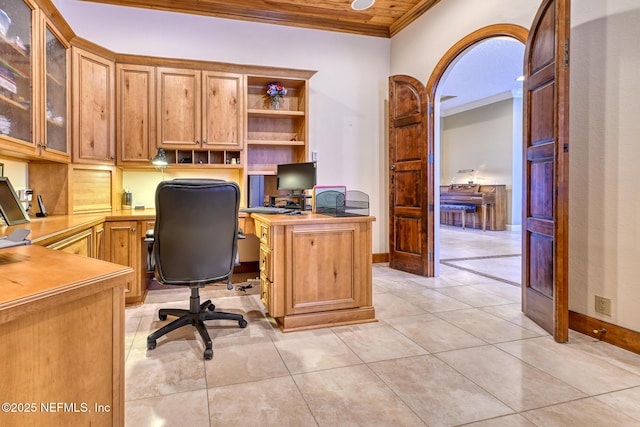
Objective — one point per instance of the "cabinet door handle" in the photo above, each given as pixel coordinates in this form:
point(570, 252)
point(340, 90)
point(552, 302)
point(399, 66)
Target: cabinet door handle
point(133, 230)
point(197, 142)
point(204, 142)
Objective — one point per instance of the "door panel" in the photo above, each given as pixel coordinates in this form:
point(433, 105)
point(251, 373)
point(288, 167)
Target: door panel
point(546, 161)
point(409, 213)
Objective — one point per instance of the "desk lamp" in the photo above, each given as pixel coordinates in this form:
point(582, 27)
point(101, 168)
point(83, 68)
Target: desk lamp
point(160, 161)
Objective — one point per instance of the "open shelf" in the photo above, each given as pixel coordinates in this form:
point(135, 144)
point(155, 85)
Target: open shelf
point(229, 159)
point(274, 142)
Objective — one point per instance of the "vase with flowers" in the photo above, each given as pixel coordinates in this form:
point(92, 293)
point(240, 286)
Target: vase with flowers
point(275, 91)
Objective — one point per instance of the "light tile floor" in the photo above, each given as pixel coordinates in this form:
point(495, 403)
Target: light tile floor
point(446, 351)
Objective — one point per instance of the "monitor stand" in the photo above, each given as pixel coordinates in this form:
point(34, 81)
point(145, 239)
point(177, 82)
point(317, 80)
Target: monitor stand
point(294, 201)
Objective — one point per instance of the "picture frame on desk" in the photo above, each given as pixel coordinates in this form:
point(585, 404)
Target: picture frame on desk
point(325, 197)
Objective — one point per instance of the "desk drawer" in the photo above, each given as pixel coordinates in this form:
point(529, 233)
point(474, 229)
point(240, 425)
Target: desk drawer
point(266, 264)
point(271, 297)
point(264, 233)
point(266, 293)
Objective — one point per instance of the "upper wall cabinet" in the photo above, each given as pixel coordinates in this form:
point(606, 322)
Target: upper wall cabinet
point(93, 108)
point(56, 129)
point(135, 114)
point(199, 109)
point(16, 73)
point(222, 97)
point(34, 83)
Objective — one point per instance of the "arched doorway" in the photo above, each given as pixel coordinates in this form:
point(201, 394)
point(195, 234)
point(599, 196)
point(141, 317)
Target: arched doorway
point(492, 37)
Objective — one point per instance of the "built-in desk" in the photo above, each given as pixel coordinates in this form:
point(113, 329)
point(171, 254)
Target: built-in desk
point(315, 270)
point(61, 339)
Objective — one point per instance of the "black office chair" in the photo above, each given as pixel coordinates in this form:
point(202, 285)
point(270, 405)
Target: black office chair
point(196, 237)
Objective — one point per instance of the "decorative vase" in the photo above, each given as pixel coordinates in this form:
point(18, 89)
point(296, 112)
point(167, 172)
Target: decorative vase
point(275, 102)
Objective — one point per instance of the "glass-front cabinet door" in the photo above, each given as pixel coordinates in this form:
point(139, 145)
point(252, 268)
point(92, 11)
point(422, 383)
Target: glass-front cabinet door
point(56, 102)
point(16, 72)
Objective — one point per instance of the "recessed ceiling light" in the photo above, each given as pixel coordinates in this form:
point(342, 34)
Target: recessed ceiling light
point(362, 4)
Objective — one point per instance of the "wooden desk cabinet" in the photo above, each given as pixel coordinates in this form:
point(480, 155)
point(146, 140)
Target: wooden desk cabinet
point(315, 270)
point(62, 333)
point(124, 245)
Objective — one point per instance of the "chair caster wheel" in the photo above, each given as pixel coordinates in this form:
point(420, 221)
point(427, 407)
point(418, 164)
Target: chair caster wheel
point(208, 354)
point(242, 323)
point(162, 316)
point(211, 307)
point(151, 344)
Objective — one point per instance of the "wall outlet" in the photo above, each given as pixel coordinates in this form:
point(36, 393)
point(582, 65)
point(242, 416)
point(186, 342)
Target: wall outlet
point(314, 156)
point(603, 305)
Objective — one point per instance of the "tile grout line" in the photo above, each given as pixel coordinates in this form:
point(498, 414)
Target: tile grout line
point(489, 276)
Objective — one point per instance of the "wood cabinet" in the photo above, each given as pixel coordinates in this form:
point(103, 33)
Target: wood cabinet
point(179, 108)
point(62, 328)
point(122, 247)
point(74, 188)
point(200, 116)
point(315, 270)
point(135, 114)
point(271, 297)
point(93, 108)
point(222, 110)
point(98, 241)
point(55, 129)
point(81, 243)
point(276, 136)
point(34, 86)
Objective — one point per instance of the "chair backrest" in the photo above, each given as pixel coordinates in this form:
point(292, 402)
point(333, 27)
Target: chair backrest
point(196, 231)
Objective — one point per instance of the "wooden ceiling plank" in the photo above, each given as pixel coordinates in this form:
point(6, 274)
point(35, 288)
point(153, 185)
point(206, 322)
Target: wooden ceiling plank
point(264, 16)
point(413, 14)
point(384, 19)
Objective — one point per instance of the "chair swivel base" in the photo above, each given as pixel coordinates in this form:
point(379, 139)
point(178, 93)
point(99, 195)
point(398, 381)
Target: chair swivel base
point(197, 317)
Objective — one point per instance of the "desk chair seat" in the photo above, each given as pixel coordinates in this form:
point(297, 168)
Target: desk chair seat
point(195, 244)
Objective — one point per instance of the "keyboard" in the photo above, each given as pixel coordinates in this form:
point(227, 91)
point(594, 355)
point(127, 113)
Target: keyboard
point(266, 210)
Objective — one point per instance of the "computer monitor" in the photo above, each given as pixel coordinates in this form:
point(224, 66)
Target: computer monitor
point(10, 207)
point(296, 177)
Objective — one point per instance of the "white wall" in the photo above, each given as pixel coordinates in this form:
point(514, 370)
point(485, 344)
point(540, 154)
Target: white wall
point(347, 105)
point(604, 156)
point(479, 139)
point(416, 50)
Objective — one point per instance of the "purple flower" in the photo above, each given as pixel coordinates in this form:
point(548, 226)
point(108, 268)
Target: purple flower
point(276, 89)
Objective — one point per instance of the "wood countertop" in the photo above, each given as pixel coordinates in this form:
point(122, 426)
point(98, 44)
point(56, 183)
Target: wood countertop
point(32, 272)
point(51, 228)
point(47, 230)
point(308, 218)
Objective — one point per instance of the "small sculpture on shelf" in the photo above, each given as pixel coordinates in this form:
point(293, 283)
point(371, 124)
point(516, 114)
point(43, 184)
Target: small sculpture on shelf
point(275, 91)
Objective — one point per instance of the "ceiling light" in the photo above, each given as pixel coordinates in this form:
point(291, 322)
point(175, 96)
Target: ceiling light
point(362, 4)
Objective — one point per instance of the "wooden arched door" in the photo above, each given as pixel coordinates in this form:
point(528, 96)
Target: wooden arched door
point(546, 173)
point(545, 245)
point(410, 243)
